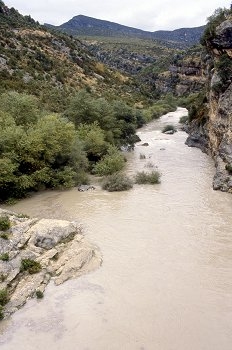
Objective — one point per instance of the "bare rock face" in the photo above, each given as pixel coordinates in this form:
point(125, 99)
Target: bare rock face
point(57, 247)
point(214, 136)
point(223, 37)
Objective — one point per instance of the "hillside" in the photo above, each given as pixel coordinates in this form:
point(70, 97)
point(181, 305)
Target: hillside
point(36, 60)
point(87, 26)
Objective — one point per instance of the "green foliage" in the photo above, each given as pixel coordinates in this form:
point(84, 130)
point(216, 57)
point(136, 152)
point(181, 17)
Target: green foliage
point(4, 298)
point(169, 127)
point(39, 294)
point(4, 235)
point(161, 107)
point(30, 265)
point(4, 256)
point(147, 178)
point(117, 182)
point(111, 163)
point(22, 107)
point(217, 18)
point(224, 69)
point(43, 154)
point(184, 119)
point(197, 106)
point(117, 120)
point(229, 168)
point(93, 139)
point(4, 223)
point(1, 313)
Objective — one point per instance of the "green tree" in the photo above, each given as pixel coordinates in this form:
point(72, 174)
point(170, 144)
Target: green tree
point(22, 107)
point(111, 163)
point(93, 139)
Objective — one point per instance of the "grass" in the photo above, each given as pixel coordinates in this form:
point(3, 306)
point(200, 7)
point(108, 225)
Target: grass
point(4, 257)
point(4, 223)
point(30, 265)
point(117, 182)
point(147, 178)
point(3, 297)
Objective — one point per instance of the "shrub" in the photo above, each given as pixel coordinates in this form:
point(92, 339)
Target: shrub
point(4, 235)
point(229, 168)
point(169, 127)
point(30, 265)
point(4, 223)
point(23, 216)
point(147, 178)
point(4, 257)
point(111, 163)
point(39, 294)
point(3, 297)
point(117, 182)
point(184, 119)
point(1, 313)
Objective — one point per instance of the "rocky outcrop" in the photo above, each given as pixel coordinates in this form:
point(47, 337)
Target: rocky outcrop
point(215, 134)
point(57, 247)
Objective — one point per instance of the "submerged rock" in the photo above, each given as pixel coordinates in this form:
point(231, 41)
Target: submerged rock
point(58, 247)
point(83, 188)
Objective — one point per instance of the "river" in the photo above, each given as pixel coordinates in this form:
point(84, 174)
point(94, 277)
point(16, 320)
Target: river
point(166, 278)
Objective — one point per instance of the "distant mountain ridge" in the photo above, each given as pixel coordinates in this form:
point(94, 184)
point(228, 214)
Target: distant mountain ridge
point(88, 26)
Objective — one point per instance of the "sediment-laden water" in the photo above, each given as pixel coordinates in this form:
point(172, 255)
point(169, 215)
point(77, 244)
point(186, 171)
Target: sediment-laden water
point(166, 278)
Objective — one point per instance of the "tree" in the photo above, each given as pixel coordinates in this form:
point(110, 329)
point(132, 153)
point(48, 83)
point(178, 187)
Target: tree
point(22, 107)
point(93, 139)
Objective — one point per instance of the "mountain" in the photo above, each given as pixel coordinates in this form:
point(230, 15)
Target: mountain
point(183, 35)
point(87, 26)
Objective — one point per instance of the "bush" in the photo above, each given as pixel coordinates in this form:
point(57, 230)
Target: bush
point(4, 223)
point(3, 297)
point(229, 168)
point(30, 265)
point(184, 119)
point(117, 182)
point(169, 127)
point(147, 178)
point(111, 163)
point(39, 294)
point(4, 235)
point(4, 257)
point(1, 313)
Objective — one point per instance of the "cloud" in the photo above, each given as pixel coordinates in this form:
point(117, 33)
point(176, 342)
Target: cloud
point(146, 14)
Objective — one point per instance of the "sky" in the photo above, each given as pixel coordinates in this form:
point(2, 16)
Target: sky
point(148, 15)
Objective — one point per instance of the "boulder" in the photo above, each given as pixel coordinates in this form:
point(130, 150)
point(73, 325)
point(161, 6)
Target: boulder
point(58, 246)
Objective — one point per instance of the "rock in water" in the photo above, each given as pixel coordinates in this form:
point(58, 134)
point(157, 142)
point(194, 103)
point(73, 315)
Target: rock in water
point(57, 247)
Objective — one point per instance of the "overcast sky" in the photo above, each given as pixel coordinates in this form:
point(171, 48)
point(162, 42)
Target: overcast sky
point(143, 14)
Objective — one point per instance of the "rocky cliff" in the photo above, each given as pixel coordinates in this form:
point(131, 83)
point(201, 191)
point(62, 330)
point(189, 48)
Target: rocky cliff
point(211, 127)
point(33, 251)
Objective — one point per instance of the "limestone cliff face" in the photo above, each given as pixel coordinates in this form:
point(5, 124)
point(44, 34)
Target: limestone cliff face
point(214, 135)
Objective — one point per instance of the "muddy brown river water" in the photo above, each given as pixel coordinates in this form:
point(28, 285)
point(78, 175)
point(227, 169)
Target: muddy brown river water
point(166, 278)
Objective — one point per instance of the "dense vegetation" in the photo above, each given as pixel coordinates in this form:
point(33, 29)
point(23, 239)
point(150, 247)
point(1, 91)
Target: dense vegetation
point(64, 114)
